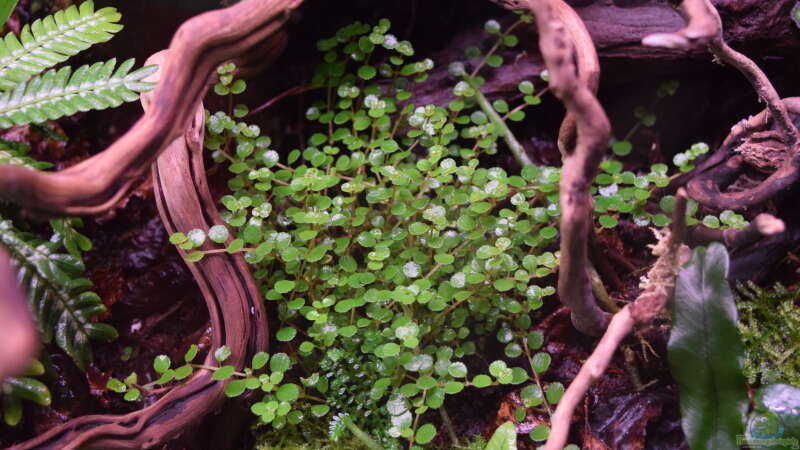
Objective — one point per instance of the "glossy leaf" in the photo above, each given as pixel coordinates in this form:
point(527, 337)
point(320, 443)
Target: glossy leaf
point(705, 352)
point(28, 389)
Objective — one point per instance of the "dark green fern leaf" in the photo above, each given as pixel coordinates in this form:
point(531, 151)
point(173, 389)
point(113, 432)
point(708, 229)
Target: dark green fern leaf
point(60, 299)
point(61, 92)
point(53, 40)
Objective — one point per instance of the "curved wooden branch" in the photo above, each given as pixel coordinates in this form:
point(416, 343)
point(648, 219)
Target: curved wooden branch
point(581, 160)
point(173, 121)
point(702, 26)
point(705, 28)
point(199, 46)
point(655, 296)
point(707, 186)
point(20, 337)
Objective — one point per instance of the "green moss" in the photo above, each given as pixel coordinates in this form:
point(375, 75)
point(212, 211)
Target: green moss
point(769, 322)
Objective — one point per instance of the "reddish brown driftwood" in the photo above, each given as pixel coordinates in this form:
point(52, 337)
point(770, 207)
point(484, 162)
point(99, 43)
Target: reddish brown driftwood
point(728, 162)
point(184, 202)
point(235, 308)
point(763, 225)
point(642, 311)
point(20, 337)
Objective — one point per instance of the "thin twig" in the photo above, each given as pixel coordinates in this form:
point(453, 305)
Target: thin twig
point(287, 93)
point(448, 425)
point(704, 27)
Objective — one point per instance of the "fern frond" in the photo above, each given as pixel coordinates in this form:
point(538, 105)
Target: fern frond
point(60, 299)
point(53, 40)
point(61, 92)
point(16, 153)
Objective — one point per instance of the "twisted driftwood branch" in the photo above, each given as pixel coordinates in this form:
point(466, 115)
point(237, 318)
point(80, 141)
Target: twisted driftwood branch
point(654, 298)
point(563, 38)
point(588, 67)
point(726, 164)
point(705, 28)
point(643, 310)
point(20, 338)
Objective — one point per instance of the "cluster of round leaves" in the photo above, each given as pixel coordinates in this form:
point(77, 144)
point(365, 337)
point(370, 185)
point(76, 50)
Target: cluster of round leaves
point(624, 192)
point(490, 121)
point(265, 373)
point(389, 251)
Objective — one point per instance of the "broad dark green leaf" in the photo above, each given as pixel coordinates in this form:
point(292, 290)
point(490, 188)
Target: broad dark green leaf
point(705, 352)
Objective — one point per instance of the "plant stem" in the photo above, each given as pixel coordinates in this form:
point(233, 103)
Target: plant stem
point(214, 369)
point(536, 377)
point(495, 47)
point(360, 434)
point(293, 91)
point(599, 289)
point(502, 129)
point(448, 424)
point(224, 250)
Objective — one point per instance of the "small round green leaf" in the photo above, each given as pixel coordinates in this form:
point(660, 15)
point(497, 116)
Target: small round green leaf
point(161, 363)
point(286, 334)
point(425, 434)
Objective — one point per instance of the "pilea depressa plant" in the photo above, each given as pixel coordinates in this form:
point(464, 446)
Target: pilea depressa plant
point(392, 255)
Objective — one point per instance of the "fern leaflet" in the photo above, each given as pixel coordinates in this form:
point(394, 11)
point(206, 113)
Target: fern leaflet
point(61, 92)
point(53, 40)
